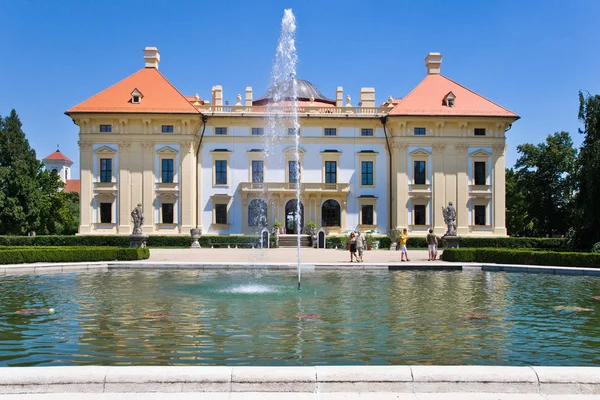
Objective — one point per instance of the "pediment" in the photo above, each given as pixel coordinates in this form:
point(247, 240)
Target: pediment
point(167, 150)
point(167, 196)
point(480, 153)
point(292, 150)
point(420, 152)
point(136, 92)
point(105, 150)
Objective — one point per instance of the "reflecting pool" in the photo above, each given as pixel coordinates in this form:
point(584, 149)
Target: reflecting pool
point(258, 317)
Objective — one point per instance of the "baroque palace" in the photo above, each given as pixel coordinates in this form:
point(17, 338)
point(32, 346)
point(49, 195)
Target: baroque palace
point(228, 169)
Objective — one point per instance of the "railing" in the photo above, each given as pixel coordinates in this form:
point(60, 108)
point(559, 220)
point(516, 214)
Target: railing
point(304, 187)
point(370, 111)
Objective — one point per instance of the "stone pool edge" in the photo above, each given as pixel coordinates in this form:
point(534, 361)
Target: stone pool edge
point(36, 268)
point(311, 379)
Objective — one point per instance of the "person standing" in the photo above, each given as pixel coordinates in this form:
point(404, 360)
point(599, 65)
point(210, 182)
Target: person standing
point(403, 240)
point(353, 247)
point(360, 245)
point(432, 245)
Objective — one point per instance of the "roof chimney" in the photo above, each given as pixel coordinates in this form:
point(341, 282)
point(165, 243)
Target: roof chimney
point(433, 62)
point(151, 57)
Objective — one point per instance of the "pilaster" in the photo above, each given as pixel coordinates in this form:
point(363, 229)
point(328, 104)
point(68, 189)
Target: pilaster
point(438, 187)
point(86, 189)
point(187, 185)
point(124, 183)
point(400, 160)
point(148, 185)
point(499, 190)
point(462, 189)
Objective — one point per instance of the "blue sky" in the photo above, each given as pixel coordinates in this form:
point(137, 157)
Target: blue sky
point(531, 57)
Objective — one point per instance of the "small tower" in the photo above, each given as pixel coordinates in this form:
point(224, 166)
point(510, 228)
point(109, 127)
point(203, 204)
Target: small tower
point(60, 163)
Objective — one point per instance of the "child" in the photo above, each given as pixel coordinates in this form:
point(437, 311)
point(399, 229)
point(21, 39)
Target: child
point(403, 240)
point(432, 245)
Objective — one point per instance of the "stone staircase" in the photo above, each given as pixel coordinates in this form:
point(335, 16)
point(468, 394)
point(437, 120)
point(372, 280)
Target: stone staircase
point(292, 241)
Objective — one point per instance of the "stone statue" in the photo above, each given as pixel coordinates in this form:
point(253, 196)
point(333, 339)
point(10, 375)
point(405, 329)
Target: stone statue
point(450, 219)
point(137, 216)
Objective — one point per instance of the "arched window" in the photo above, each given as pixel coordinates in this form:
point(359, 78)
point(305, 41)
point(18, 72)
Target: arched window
point(331, 213)
point(257, 213)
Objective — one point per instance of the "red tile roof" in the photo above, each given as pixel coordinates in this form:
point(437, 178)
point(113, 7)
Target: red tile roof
point(159, 96)
point(72, 185)
point(427, 99)
point(57, 156)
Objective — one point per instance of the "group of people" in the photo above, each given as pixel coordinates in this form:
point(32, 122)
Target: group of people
point(357, 245)
point(432, 244)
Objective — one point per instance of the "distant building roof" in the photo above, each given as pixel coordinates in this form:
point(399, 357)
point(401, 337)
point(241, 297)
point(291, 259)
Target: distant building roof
point(428, 98)
point(159, 96)
point(58, 156)
point(72, 186)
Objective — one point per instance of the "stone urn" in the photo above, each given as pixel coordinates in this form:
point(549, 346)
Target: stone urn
point(195, 233)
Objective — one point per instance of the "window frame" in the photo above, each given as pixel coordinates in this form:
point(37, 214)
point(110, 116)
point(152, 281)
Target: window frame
point(221, 131)
point(105, 128)
point(106, 172)
point(415, 172)
point(477, 207)
point(367, 156)
point(332, 172)
point(255, 173)
point(475, 130)
point(167, 129)
point(424, 208)
point(328, 132)
point(221, 155)
point(367, 132)
point(476, 181)
point(419, 130)
point(162, 213)
point(260, 130)
point(323, 214)
point(101, 208)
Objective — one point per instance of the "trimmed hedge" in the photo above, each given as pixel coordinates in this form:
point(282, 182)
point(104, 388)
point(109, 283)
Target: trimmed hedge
point(20, 255)
point(514, 242)
point(527, 257)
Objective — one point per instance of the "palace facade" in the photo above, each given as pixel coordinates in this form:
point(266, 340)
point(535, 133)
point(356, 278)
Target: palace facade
point(232, 168)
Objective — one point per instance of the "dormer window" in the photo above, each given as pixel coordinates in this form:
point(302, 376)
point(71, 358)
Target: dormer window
point(136, 96)
point(449, 100)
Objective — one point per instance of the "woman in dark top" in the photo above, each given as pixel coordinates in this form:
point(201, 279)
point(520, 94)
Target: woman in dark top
point(353, 247)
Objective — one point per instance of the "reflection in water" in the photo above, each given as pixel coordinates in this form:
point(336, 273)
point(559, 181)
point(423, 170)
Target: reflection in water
point(242, 318)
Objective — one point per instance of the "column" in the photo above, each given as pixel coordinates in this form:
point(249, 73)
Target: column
point(462, 190)
point(86, 176)
point(439, 198)
point(125, 188)
point(401, 161)
point(499, 190)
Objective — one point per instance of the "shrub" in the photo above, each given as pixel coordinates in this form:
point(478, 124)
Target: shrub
point(527, 257)
point(596, 248)
point(19, 255)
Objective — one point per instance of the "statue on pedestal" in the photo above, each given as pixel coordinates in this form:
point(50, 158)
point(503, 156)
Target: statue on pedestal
point(137, 216)
point(450, 219)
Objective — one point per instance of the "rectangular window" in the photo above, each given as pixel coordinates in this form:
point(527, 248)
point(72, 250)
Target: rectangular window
point(419, 131)
point(419, 173)
point(367, 215)
point(106, 170)
point(479, 131)
point(167, 129)
point(257, 171)
point(106, 213)
point(330, 171)
point(258, 131)
point(367, 173)
point(220, 131)
point(419, 214)
point(167, 170)
point(167, 213)
point(221, 172)
point(479, 215)
point(330, 132)
point(294, 171)
point(293, 131)
point(106, 128)
point(221, 214)
point(366, 132)
point(479, 174)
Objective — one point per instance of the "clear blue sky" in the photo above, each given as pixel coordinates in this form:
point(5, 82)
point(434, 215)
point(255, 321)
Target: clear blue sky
point(531, 57)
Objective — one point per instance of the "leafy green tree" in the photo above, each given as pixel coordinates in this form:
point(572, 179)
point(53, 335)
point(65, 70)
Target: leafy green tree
point(26, 189)
point(587, 206)
point(518, 221)
point(545, 180)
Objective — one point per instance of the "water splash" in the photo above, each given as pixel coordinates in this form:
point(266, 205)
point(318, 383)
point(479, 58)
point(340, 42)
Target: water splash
point(282, 110)
point(250, 289)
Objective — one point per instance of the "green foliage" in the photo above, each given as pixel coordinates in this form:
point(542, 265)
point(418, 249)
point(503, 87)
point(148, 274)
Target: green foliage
point(540, 191)
point(596, 248)
point(20, 255)
point(30, 200)
point(587, 210)
point(527, 257)
point(513, 242)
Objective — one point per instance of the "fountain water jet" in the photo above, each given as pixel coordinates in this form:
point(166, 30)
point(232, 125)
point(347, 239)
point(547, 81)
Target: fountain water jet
point(283, 109)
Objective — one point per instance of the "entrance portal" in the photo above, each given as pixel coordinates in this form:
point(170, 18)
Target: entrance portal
point(293, 222)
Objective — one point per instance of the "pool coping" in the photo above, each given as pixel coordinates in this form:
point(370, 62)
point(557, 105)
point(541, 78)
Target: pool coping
point(36, 268)
point(307, 379)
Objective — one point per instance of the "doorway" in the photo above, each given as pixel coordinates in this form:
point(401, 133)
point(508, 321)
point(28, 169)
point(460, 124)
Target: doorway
point(293, 222)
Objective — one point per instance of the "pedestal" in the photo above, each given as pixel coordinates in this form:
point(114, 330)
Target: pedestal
point(451, 242)
point(195, 233)
point(137, 240)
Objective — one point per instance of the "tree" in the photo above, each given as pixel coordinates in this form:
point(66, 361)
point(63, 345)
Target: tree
point(518, 221)
point(26, 189)
point(545, 179)
point(587, 212)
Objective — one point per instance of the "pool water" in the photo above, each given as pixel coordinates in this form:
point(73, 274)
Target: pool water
point(258, 317)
